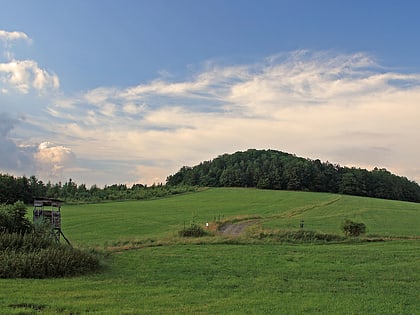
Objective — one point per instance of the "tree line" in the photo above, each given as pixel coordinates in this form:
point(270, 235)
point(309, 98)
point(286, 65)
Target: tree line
point(24, 189)
point(271, 169)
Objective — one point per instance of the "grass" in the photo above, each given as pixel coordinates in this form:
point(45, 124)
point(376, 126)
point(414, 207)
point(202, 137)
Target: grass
point(210, 276)
point(98, 224)
point(231, 279)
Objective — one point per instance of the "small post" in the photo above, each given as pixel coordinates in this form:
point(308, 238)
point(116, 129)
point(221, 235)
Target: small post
point(301, 224)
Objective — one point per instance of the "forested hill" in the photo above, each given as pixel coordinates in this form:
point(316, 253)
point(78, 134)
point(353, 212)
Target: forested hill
point(272, 169)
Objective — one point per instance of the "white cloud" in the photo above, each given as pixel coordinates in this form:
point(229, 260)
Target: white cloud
point(24, 75)
point(133, 108)
point(46, 160)
point(52, 160)
point(13, 36)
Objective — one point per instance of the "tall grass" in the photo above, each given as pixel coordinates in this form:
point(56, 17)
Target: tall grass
point(35, 255)
point(25, 242)
point(46, 263)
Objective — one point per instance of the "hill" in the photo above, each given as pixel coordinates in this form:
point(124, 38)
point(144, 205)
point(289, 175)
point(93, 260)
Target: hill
point(118, 222)
point(271, 169)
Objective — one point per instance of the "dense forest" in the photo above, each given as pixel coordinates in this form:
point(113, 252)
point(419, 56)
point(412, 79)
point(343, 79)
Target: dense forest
point(272, 169)
point(14, 189)
point(266, 169)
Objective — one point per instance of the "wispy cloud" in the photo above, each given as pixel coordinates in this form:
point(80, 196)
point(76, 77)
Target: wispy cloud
point(13, 36)
point(344, 108)
point(9, 38)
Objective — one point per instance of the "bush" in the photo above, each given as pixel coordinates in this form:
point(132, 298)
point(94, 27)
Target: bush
point(25, 242)
point(35, 255)
point(13, 218)
point(59, 261)
point(193, 231)
point(353, 229)
point(30, 251)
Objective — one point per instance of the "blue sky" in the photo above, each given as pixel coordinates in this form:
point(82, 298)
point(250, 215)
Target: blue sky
point(110, 92)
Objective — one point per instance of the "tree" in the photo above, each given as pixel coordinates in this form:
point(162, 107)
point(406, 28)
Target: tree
point(353, 229)
point(13, 218)
point(270, 169)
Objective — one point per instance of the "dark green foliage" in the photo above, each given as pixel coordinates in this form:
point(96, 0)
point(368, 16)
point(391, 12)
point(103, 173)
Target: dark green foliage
point(353, 229)
point(13, 218)
point(22, 188)
point(49, 262)
point(25, 189)
point(32, 255)
point(28, 251)
point(25, 242)
point(193, 230)
point(270, 169)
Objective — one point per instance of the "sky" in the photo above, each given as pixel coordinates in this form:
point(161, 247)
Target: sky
point(123, 92)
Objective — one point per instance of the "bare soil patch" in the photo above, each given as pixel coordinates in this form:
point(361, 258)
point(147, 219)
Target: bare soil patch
point(236, 229)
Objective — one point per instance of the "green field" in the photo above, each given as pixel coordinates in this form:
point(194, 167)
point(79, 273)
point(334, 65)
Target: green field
point(150, 270)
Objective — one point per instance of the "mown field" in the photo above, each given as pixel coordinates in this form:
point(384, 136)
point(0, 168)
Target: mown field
point(151, 270)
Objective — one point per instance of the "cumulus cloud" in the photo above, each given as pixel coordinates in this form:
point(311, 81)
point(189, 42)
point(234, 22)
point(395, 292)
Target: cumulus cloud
point(23, 75)
point(51, 160)
point(46, 160)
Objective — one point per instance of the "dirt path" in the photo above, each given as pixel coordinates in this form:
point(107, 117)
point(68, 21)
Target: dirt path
point(236, 229)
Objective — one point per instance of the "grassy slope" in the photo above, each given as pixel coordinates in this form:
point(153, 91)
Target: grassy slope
point(108, 222)
point(368, 278)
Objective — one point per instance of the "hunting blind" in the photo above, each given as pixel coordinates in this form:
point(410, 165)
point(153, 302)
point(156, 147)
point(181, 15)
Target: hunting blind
point(49, 210)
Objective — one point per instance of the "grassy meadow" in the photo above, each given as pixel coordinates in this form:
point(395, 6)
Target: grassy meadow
point(149, 269)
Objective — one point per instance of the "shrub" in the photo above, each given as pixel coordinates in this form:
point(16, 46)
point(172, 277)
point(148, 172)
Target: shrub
point(30, 251)
point(193, 230)
point(37, 255)
point(13, 218)
point(59, 261)
point(353, 229)
point(25, 242)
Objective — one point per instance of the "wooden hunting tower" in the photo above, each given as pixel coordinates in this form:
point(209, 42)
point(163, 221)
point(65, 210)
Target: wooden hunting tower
point(49, 210)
